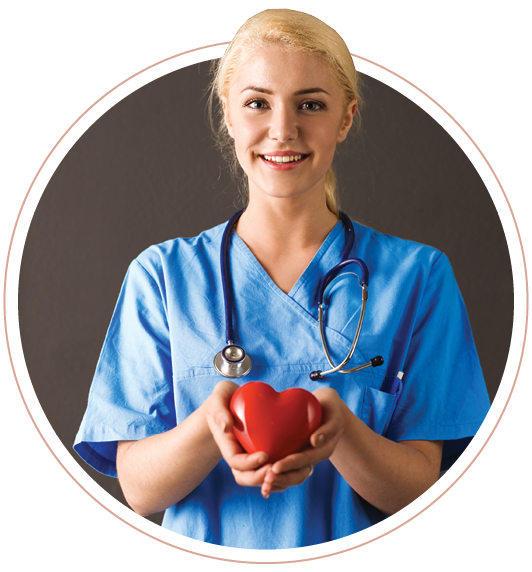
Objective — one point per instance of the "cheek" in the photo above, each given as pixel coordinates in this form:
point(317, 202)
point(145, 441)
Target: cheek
point(325, 140)
point(245, 135)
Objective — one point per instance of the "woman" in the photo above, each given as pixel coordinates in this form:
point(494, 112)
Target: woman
point(158, 413)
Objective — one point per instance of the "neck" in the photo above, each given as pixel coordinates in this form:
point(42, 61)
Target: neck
point(283, 225)
point(285, 234)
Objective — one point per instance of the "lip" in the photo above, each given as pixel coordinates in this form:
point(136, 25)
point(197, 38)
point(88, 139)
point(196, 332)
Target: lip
point(283, 166)
point(283, 153)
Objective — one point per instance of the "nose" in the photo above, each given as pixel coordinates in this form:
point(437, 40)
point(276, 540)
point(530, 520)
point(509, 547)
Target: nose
point(283, 125)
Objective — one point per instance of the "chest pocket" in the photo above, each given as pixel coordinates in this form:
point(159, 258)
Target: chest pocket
point(379, 405)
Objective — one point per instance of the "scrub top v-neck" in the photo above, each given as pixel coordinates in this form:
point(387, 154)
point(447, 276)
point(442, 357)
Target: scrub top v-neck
point(308, 274)
point(155, 369)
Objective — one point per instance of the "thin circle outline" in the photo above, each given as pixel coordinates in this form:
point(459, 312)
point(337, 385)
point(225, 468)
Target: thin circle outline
point(230, 559)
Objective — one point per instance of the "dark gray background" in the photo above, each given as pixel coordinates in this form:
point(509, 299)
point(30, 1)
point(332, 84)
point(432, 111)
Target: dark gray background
point(148, 171)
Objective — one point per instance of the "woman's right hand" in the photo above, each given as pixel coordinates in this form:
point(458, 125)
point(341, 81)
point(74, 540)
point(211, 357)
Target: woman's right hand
point(249, 470)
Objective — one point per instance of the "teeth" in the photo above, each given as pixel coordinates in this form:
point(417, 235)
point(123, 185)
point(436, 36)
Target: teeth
point(285, 159)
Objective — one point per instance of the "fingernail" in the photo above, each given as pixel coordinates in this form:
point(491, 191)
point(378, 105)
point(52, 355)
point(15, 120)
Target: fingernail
point(224, 425)
point(320, 440)
point(262, 459)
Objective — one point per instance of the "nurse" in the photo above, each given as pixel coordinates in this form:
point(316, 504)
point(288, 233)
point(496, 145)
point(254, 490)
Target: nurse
point(158, 415)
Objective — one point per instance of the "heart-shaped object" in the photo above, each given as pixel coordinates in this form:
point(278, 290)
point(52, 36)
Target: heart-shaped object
point(277, 423)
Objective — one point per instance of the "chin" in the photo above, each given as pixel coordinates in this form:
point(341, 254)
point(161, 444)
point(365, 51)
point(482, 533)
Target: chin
point(285, 194)
point(285, 191)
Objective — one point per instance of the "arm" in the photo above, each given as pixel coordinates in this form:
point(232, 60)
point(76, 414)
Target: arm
point(388, 475)
point(160, 470)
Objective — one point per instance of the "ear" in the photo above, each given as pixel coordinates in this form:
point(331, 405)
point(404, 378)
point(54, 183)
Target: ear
point(347, 120)
point(225, 105)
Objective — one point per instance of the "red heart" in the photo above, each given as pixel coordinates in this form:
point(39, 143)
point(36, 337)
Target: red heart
point(277, 423)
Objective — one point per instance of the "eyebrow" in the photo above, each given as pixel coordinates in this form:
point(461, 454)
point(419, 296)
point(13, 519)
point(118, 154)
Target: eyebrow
point(300, 92)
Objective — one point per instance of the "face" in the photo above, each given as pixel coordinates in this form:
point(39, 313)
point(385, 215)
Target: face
point(286, 114)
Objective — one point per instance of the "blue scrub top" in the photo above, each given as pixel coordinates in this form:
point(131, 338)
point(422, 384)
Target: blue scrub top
point(156, 368)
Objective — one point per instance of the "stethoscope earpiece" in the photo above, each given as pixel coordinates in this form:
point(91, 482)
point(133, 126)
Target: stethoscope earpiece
point(232, 361)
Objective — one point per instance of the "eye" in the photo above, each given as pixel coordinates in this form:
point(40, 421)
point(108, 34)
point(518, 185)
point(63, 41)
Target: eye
point(312, 106)
point(256, 104)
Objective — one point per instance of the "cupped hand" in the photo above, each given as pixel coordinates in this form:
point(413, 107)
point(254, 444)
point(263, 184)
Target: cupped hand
point(296, 468)
point(248, 469)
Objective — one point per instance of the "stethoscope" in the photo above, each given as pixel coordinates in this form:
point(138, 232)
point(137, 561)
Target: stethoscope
point(234, 362)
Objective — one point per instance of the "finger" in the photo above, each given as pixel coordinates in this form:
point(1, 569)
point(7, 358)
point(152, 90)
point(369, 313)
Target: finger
point(219, 417)
point(333, 417)
point(254, 478)
point(245, 462)
point(235, 456)
point(219, 405)
point(267, 485)
point(266, 489)
point(220, 423)
point(319, 438)
point(277, 482)
point(305, 458)
point(325, 434)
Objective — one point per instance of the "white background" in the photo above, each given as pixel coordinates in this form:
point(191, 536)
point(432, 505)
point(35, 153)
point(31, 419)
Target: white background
point(59, 57)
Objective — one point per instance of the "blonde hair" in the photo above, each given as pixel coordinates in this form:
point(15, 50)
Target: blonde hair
point(295, 31)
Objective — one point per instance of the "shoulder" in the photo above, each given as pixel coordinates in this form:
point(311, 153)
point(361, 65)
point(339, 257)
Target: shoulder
point(386, 249)
point(399, 264)
point(179, 253)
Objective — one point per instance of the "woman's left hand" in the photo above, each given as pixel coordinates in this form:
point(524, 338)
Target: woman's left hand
point(296, 468)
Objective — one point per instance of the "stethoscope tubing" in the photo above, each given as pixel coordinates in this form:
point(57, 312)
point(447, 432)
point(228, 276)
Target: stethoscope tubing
point(353, 345)
point(228, 368)
point(226, 283)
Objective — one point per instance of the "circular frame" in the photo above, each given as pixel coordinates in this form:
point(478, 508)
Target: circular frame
point(280, 556)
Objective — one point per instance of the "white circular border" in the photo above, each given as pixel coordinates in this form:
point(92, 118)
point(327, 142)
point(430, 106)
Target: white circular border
point(64, 456)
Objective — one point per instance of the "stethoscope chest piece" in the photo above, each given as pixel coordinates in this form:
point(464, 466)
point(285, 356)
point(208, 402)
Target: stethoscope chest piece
point(232, 361)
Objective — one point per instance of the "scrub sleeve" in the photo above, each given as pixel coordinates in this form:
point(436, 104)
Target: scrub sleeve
point(444, 395)
point(131, 395)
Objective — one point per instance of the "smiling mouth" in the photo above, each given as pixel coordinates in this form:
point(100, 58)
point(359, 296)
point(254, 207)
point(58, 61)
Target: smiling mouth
point(283, 160)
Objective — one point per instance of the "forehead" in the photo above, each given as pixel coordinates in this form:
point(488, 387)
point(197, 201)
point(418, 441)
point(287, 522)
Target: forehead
point(280, 70)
